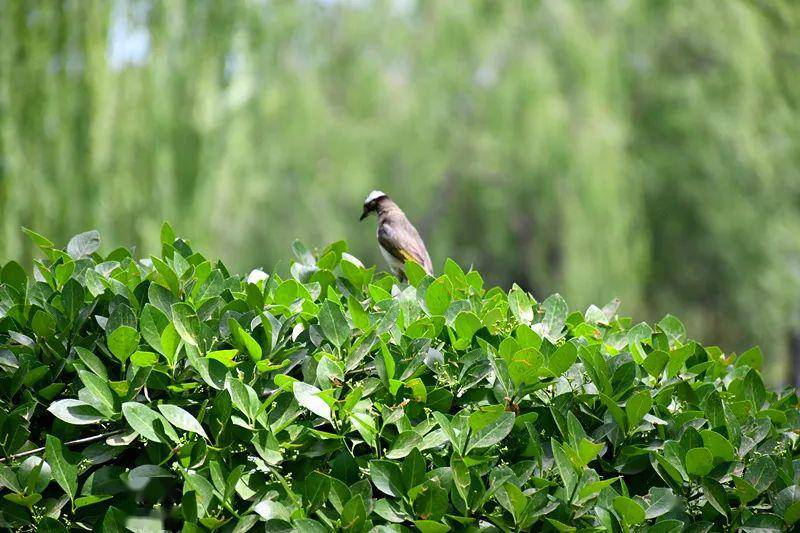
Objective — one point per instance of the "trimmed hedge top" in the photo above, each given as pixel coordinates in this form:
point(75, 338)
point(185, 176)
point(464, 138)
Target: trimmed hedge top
point(166, 393)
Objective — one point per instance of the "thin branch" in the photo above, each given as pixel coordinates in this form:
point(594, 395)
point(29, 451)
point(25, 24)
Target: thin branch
point(70, 443)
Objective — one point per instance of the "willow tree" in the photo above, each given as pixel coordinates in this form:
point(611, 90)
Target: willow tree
point(638, 149)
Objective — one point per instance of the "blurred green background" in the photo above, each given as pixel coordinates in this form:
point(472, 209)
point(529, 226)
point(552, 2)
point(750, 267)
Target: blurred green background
point(643, 149)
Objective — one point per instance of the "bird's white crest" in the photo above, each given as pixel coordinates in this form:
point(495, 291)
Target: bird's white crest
point(374, 195)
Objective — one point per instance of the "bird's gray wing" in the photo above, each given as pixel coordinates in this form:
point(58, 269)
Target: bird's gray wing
point(400, 238)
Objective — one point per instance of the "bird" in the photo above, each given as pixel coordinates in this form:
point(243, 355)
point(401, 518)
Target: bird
point(398, 239)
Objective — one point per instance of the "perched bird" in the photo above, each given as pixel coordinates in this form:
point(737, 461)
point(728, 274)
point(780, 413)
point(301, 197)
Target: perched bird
point(398, 240)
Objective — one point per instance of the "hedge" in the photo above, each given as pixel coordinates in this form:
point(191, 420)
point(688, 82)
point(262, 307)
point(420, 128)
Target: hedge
point(144, 394)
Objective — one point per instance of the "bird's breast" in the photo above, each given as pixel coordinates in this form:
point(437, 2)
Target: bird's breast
point(393, 262)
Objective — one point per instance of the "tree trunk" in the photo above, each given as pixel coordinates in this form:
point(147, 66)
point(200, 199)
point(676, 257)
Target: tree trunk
point(794, 358)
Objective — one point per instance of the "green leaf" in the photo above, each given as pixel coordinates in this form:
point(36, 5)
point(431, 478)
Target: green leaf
point(752, 358)
point(403, 444)
point(636, 407)
point(388, 319)
point(524, 366)
point(595, 487)
point(83, 244)
point(182, 419)
point(92, 362)
point(617, 413)
point(655, 362)
point(466, 324)
point(303, 525)
point(437, 296)
point(718, 445)
point(243, 396)
point(414, 272)
point(716, 496)
point(413, 468)
point(763, 523)
point(753, 389)
point(94, 282)
point(272, 510)
point(147, 422)
point(792, 513)
point(339, 494)
point(329, 371)
point(161, 298)
point(167, 234)
point(122, 342)
point(308, 396)
point(43, 324)
point(357, 313)
point(166, 275)
point(139, 477)
point(114, 521)
point(455, 273)
point(520, 305)
point(144, 359)
point(28, 501)
point(562, 359)
point(588, 450)
point(152, 323)
point(671, 462)
point(333, 323)
point(386, 476)
point(461, 477)
point(513, 500)
point(761, 473)
point(448, 429)
point(226, 357)
point(316, 488)
point(62, 467)
point(429, 526)
point(699, 461)
point(302, 253)
point(186, 323)
point(744, 490)
point(673, 328)
point(787, 504)
point(555, 316)
point(43, 243)
point(75, 412)
point(431, 503)
point(170, 341)
point(565, 468)
point(629, 510)
point(244, 339)
point(677, 359)
point(99, 389)
point(353, 515)
point(8, 479)
point(492, 433)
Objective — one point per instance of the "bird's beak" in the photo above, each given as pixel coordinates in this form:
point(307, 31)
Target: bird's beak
point(364, 215)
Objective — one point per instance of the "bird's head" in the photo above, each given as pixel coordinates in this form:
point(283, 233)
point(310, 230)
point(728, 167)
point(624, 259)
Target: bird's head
point(371, 203)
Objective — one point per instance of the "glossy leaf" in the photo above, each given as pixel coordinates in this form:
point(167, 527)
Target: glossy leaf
point(62, 466)
point(182, 419)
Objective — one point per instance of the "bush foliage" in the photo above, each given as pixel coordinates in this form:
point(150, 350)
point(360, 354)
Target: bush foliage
point(166, 393)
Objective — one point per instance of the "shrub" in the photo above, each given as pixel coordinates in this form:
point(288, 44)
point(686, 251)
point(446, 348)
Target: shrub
point(167, 393)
